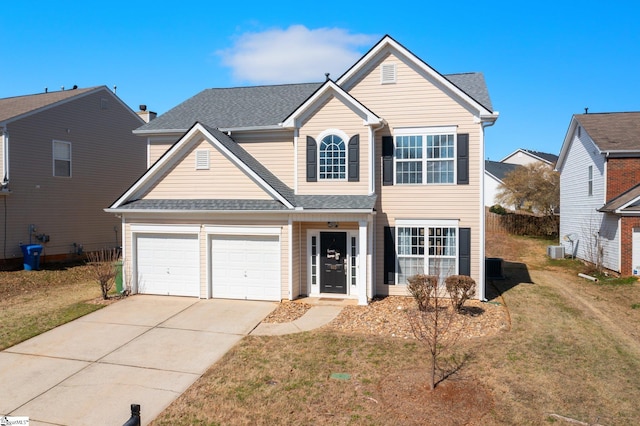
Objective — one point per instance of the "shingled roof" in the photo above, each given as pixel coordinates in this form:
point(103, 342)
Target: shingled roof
point(266, 106)
point(614, 131)
point(498, 169)
point(15, 107)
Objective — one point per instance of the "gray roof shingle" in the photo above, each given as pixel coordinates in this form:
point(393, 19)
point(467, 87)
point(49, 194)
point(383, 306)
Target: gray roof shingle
point(235, 107)
point(551, 158)
point(614, 131)
point(204, 205)
point(266, 106)
point(474, 85)
point(498, 169)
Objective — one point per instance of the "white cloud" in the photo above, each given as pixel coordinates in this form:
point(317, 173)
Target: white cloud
point(294, 55)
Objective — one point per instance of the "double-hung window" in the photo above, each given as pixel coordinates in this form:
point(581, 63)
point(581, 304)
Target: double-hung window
point(425, 155)
point(427, 248)
point(61, 159)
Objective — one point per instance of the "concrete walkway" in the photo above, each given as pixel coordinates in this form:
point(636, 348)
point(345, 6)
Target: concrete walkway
point(143, 350)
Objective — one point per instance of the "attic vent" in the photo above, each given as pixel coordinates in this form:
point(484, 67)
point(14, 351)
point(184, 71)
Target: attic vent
point(104, 104)
point(388, 73)
point(202, 159)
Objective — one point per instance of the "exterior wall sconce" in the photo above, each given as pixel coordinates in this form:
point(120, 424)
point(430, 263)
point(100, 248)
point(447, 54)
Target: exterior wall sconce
point(332, 225)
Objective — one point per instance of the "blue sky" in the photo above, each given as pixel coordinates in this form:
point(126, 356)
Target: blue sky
point(543, 61)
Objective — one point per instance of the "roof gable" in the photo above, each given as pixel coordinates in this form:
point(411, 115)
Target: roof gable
point(329, 88)
point(18, 107)
point(474, 82)
point(234, 152)
point(536, 155)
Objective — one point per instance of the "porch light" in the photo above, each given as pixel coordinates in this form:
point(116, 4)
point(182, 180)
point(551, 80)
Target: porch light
point(332, 225)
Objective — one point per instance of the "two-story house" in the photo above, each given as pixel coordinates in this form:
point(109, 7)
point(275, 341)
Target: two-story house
point(599, 167)
point(337, 189)
point(64, 155)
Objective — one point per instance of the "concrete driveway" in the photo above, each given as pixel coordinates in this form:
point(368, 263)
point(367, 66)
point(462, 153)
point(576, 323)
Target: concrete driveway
point(143, 350)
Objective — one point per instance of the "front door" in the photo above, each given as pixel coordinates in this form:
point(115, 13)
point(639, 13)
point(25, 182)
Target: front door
point(333, 262)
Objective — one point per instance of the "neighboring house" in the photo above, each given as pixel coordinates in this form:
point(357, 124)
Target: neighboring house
point(526, 156)
point(337, 189)
point(495, 171)
point(63, 156)
point(599, 167)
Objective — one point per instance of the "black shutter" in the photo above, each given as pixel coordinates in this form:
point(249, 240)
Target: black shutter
point(354, 159)
point(465, 251)
point(312, 160)
point(463, 159)
point(389, 255)
point(387, 160)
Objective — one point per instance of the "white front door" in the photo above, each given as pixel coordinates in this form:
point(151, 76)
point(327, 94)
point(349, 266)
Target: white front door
point(168, 264)
point(246, 267)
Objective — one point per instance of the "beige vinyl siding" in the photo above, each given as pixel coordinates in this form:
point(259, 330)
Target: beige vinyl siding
point(334, 114)
point(273, 149)
point(157, 146)
point(223, 179)
point(106, 160)
point(417, 100)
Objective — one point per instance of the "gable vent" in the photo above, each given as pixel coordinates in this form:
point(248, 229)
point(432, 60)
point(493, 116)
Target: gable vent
point(202, 159)
point(388, 73)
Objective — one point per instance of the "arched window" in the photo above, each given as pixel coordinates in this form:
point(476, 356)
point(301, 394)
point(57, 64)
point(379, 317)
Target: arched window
point(333, 157)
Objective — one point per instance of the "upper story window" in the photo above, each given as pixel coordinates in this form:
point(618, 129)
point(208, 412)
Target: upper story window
point(333, 158)
point(61, 159)
point(590, 181)
point(422, 157)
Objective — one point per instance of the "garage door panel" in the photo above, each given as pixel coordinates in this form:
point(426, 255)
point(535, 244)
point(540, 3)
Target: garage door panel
point(168, 264)
point(246, 267)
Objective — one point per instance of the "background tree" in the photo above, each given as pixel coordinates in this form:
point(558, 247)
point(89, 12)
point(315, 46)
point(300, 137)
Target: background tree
point(534, 186)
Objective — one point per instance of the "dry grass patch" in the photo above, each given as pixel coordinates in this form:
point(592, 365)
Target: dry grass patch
point(32, 302)
point(324, 377)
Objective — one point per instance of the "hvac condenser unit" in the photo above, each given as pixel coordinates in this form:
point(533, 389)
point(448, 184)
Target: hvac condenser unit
point(555, 252)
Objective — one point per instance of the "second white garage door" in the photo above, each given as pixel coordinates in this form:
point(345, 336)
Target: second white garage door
point(245, 267)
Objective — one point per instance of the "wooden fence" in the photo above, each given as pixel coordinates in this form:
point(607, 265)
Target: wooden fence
point(522, 224)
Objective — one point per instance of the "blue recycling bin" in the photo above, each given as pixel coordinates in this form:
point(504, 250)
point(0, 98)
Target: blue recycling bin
point(31, 253)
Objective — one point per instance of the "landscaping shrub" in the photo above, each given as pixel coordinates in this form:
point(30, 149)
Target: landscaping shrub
point(422, 287)
point(460, 289)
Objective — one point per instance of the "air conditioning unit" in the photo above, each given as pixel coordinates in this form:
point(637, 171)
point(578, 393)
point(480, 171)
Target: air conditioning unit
point(555, 252)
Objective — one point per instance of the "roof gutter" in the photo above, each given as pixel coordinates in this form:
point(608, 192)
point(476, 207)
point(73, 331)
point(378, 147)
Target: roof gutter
point(287, 211)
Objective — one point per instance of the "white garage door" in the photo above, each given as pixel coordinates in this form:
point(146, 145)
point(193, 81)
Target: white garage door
point(246, 267)
point(168, 264)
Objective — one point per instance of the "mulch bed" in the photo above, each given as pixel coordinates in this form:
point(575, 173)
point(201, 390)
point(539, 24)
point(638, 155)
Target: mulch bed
point(388, 317)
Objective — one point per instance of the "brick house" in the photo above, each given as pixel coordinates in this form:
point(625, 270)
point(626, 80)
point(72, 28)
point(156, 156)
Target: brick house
point(599, 167)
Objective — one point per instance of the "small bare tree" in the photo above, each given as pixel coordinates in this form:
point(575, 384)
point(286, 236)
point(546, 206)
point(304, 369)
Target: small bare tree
point(593, 248)
point(103, 267)
point(436, 321)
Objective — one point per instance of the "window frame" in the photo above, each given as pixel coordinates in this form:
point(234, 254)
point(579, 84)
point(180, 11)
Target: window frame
point(55, 158)
point(424, 259)
point(590, 181)
point(424, 163)
point(344, 173)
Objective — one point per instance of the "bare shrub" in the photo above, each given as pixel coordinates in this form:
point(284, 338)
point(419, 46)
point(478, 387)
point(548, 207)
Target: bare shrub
point(422, 287)
point(103, 268)
point(460, 288)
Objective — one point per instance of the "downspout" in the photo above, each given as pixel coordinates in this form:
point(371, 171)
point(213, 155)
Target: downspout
point(372, 190)
point(484, 125)
point(372, 156)
point(5, 158)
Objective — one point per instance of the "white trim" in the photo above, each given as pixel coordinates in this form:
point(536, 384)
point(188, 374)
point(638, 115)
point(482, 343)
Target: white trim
point(429, 222)
point(289, 257)
point(361, 277)
point(345, 140)
point(248, 230)
point(428, 130)
point(165, 229)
